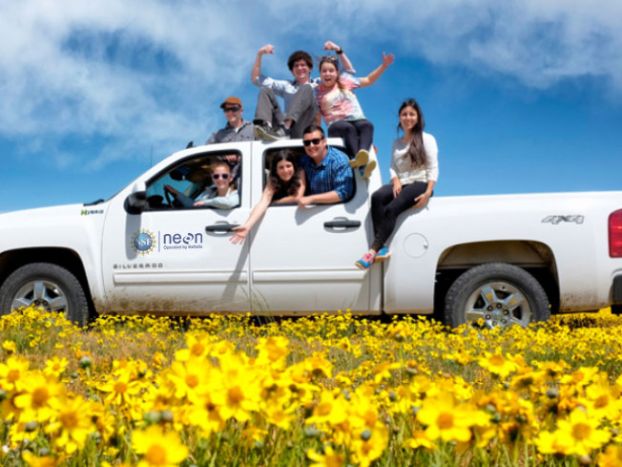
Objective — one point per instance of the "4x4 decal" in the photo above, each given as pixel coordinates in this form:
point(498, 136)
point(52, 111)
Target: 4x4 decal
point(576, 218)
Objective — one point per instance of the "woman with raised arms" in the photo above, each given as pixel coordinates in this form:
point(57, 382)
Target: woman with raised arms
point(342, 111)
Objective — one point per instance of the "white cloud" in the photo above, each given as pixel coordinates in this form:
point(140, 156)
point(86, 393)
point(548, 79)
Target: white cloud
point(60, 77)
point(68, 67)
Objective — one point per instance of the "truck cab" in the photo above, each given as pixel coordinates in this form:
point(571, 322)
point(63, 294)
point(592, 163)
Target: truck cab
point(169, 257)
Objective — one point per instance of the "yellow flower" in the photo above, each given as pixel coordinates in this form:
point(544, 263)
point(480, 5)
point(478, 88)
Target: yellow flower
point(188, 376)
point(329, 410)
point(581, 377)
point(370, 444)
point(9, 346)
point(602, 401)
point(498, 364)
point(35, 400)
point(34, 461)
point(120, 388)
point(12, 373)
point(579, 434)
point(278, 416)
point(237, 390)
point(446, 420)
point(197, 347)
point(612, 457)
point(547, 443)
point(319, 365)
point(158, 448)
point(203, 412)
point(55, 366)
point(273, 351)
point(71, 424)
point(419, 440)
point(329, 459)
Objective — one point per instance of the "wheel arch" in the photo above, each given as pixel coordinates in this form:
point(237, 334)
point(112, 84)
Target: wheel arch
point(67, 258)
point(535, 257)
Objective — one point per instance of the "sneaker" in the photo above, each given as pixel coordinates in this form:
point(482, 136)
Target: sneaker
point(382, 254)
point(265, 133)
point(369, 168)
point(366, 261)
point(361, 158)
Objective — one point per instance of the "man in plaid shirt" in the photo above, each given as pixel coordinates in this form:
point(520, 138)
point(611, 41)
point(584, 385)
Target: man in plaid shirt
point(328, 172)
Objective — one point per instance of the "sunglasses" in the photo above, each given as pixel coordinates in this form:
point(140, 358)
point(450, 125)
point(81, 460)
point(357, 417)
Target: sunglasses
point(231, 109)
point(217, 176)
point(314, 141)
point(329, 58)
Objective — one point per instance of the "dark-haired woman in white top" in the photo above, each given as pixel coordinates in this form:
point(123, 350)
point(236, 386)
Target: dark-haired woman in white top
point(414, 172)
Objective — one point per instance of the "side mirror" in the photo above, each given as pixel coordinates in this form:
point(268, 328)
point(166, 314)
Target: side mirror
point(136, 202)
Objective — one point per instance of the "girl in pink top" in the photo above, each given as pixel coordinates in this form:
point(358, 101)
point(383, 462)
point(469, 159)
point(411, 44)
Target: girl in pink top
point(341, 109)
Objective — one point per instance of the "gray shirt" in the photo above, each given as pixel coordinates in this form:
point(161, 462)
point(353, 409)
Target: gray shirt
point(281, 87)
point(228, 134)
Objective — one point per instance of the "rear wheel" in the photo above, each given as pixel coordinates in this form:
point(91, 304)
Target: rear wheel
point(47, 285)
point(496, 295)
point(616, 309)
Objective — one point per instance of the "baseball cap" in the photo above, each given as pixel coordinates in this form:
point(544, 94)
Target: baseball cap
point(231, 100)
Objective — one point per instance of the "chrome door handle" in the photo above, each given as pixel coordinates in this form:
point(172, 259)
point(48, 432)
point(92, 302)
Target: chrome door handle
point(220, 228)
point(342, 224)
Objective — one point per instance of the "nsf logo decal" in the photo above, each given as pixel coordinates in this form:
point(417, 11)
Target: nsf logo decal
point(144, 242)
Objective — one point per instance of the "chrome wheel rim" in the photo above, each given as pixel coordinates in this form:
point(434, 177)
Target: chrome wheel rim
point(498, 304)
point(41, 293)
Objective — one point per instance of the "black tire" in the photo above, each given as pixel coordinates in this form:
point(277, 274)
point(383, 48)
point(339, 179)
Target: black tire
point(616, 309)
point(500, 294)
point(53, 287)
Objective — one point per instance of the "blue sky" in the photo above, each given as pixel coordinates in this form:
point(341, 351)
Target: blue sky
point(522, 96)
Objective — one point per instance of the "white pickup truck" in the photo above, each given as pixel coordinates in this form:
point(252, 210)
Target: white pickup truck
point(498, 260)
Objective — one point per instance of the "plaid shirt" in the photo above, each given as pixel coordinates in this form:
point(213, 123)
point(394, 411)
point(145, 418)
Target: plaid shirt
point(332, 174)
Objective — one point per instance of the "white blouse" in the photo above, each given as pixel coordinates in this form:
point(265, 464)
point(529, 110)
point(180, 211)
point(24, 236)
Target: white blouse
point(402, 167)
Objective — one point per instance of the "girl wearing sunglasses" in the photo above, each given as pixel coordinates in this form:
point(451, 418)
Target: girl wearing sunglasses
point(341, 109)
point(222, 194)
point(285, 185)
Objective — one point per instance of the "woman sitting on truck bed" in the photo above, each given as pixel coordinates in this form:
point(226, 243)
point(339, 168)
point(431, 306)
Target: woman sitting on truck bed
point(414, 172)
point(285, 185)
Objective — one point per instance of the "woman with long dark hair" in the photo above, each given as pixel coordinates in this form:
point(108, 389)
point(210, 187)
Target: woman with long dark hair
point(286, 183)
point(414, 172)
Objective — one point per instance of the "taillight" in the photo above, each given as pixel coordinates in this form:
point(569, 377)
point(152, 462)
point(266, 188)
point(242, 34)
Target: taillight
point(615, 234)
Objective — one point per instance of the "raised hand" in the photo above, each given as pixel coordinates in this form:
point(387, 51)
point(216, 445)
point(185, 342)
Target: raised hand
point(330, 45)
point(387, 59)
point(266, 49)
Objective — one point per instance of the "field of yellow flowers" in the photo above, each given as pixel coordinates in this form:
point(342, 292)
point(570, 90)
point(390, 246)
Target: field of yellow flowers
point(321, 391)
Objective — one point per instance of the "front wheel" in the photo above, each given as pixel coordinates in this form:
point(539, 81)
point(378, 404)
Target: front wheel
point(496, 295)
point(46, 285)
